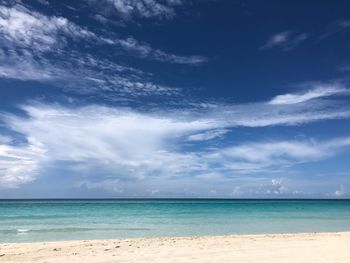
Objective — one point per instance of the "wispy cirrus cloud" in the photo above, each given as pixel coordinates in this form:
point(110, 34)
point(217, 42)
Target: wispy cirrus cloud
point(319, 91)
point(21, 27)
point(82, 75)
point(208, 135)
point(281, 153)
point(30, 29)
point(263, 114)
point(144, 50)
point(286, 40)
point(35, 47)
point(129, 9)
point(336, 27)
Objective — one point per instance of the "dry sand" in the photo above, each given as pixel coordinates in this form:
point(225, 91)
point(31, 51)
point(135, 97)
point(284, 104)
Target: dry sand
point(308, 247)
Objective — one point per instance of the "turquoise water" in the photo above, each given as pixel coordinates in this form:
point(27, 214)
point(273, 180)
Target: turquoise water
point(47, 220)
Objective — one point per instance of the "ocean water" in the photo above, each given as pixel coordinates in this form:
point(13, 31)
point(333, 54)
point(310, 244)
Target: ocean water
point(48, 220)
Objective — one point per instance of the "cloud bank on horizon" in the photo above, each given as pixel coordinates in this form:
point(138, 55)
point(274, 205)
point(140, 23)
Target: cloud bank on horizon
point(127, 99)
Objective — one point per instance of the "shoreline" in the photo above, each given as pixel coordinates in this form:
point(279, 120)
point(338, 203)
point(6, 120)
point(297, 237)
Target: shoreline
point(283, 247)
point(179, 237)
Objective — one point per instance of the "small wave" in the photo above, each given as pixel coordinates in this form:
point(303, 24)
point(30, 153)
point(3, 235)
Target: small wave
point(22, 230)
point(68, 229)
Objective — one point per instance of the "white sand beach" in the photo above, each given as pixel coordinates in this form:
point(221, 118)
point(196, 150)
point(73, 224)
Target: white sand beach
point(303, 247)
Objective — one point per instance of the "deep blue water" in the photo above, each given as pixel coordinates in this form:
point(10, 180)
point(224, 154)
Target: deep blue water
point(46, 220)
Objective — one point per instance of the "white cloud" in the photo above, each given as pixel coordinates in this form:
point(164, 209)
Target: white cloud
point(318, 92)
point(279, 38)
point(119, 144)
point(36, 31)
point(212, 192)
point(127, 9)
point(341, 191)
point(285, 40)
point(144, 50)
point(154, 191)
point(44, 2)
point(278, 187)
point(20, 164)
point(236, 191)
point(270, 152)
point(133, 144)
point(207, 135)
point(33, 46)
point(260, 156)
point(25, 28)
point(264, 114)
point(80, 74)
point(269, 188)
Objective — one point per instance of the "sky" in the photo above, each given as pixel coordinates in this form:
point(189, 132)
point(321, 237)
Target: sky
point(174, 98)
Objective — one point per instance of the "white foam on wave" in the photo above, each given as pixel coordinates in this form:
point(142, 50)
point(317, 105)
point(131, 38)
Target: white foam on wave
point(22, 230)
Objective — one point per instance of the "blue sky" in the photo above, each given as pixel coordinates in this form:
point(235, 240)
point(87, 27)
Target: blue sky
point(174, 98)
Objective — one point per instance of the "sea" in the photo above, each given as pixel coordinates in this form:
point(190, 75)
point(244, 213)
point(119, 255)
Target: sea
point(55, 220)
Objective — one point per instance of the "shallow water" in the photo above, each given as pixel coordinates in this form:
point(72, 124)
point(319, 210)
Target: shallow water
point(48, 220)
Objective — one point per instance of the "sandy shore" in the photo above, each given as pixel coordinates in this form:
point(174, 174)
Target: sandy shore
point(308, 247)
